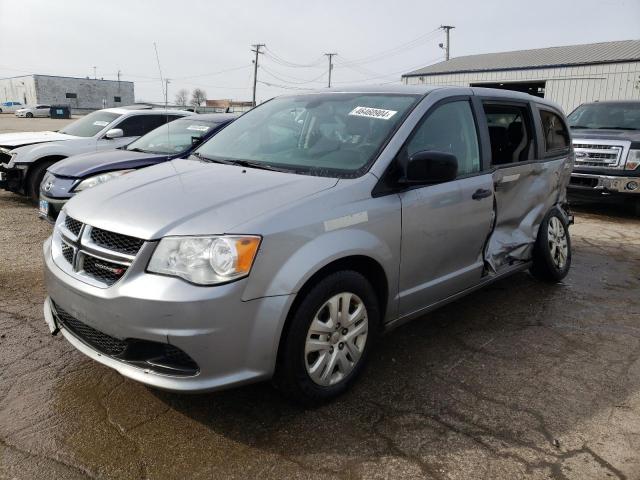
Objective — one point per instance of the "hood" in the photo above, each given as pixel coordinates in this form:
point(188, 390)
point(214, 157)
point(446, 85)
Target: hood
point(93, 163)
point(189, 197)
point(603, 134)
point(29, 138)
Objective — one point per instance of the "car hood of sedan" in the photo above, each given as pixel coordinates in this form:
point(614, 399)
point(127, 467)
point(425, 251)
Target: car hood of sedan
point(190, 197)
point(93, 163)
point(20, 139)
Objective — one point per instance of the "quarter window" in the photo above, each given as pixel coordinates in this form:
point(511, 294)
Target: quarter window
point(450, 128)
point(554, 130)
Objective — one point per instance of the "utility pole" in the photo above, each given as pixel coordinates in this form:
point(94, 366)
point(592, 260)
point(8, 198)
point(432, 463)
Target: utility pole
point(257, 51)
point(95, 75)
point(330, 55)
point(118, 81)
point(446, 28)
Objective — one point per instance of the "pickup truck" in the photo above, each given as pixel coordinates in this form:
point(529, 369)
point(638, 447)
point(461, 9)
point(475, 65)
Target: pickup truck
point(606, 140)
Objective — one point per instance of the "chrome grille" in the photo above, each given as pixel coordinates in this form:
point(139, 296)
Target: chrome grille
point(600, 153)
point(73, 225)
point(116, 242)
point(98, 257)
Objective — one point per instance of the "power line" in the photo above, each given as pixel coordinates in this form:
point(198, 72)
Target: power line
point(286, 63)
point(277, 76)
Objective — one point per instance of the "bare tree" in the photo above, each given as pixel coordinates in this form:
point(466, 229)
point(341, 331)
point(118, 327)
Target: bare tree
point(182, 97)
point(198, 97)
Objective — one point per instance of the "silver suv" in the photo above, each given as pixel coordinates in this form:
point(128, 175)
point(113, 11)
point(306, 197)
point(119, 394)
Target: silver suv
point(312, 224)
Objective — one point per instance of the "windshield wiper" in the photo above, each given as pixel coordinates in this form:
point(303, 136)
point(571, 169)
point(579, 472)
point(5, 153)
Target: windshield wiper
point(577, 126)
point(135, 150)
point(616, 128)
point(258, 165)
point(212, 160)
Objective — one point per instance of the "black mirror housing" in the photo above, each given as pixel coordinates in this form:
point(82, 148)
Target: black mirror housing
point(430, 166)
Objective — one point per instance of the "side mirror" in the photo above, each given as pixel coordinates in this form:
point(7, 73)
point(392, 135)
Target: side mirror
point(430, 166)
point(114, 133)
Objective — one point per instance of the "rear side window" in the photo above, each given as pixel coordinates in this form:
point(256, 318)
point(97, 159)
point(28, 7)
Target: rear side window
point(138, 125)
point(450, 128)
point(510, 133)
point(554, 131)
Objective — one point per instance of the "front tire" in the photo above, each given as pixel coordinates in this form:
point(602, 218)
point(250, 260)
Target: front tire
point(29, 115)
point(552, 250)
point(36, 174)
point(329, 338)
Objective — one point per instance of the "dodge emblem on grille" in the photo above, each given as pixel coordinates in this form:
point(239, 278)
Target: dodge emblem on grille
point(115, 270)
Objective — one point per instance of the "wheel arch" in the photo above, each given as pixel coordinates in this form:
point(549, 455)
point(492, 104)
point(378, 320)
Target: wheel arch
point(36, 163)
point(370, 268)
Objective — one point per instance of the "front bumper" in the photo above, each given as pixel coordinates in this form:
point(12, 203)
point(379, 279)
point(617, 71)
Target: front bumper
point(233, 342)
point(12, 178)
point(55, 206)
point(604, 185)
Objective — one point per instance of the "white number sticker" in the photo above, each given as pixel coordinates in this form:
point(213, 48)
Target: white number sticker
point(100, 123)
point(373, 112)
point(198, 128)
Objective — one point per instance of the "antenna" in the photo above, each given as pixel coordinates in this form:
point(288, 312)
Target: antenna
point(164, 93)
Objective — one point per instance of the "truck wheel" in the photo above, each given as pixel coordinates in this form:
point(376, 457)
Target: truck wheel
point(331, 333)
point(29, 115)
point(34, 179)
point(552, 250)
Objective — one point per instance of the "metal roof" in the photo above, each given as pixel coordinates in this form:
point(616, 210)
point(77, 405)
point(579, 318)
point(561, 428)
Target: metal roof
point(590, 53)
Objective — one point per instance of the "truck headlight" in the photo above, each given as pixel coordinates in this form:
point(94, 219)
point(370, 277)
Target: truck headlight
point(98, 179)
point(633, 160)
point(205, 260)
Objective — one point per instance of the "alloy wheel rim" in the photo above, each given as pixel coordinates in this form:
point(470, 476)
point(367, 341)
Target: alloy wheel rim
point(558, 245)
point(336, 339)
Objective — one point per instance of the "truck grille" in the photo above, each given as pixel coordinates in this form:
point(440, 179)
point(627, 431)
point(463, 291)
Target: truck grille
point(598, 153)
point(97, 256)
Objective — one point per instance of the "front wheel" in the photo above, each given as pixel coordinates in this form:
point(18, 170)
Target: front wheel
point(29, 115)
point(36, 175)
point(552, 250)
point(330, 335)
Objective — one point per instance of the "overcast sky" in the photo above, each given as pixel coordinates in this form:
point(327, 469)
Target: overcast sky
point(198, 38)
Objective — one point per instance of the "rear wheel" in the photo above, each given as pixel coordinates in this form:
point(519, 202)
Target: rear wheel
point(328, 342)
point(36, 174)
point(552, 251)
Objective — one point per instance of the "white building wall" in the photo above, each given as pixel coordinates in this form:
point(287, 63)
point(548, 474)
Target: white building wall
point(91, 94)
point(567, 86)
point(18, 89)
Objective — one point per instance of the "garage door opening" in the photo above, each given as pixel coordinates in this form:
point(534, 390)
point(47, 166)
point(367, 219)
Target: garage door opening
point(532, 88)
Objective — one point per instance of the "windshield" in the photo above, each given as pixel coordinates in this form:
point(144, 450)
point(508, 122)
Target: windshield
point(329, 134)
point(90, 124)
point(174, 137)
point(619, 116)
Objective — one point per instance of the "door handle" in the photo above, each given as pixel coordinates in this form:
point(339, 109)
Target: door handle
point(481, 193)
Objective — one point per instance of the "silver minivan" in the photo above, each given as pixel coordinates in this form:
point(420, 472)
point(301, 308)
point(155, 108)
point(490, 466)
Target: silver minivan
point(286, 244)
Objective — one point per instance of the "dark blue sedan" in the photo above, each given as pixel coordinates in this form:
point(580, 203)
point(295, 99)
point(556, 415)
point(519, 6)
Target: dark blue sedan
point(172, 140)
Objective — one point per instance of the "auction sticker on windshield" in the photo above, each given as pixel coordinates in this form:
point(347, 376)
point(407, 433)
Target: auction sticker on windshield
point(100, 123)
point(373, 112)
point(198, 128)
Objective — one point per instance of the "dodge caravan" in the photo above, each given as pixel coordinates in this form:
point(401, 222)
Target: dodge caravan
point(286, 244)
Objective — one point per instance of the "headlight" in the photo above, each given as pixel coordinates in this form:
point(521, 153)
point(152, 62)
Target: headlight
point(98, 179)
point(633, 160)
point(205, 260)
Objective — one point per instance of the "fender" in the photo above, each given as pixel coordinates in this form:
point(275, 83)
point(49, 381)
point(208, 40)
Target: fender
point(320, 251)
point(30, 154)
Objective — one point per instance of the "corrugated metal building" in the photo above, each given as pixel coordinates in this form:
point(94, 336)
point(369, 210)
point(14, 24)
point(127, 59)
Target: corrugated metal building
point(81, 94)
point(568, 75)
